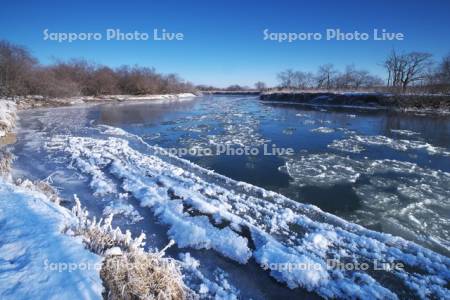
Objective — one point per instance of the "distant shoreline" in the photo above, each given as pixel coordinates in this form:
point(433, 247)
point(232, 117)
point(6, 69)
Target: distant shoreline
point(402, 102)
point(30, 102)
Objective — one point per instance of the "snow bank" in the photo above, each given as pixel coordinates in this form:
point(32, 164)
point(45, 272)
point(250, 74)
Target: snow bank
point(37, 261)
point(7, 116)
point(204, 210)
point(180, 96)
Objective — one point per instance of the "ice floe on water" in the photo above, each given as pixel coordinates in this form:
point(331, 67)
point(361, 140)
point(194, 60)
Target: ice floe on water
point(323, 130)
point(309, 122)
point(289, 130)
point(346, 145)
point(402, 192)
point(404, 132)
point(225, 124)
point(354, 143)
point(292, 241)
point(319, 169)
point(401, 145)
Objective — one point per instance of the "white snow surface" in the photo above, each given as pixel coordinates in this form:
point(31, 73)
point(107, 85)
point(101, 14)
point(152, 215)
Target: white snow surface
point(38, 261)
point(204, 210)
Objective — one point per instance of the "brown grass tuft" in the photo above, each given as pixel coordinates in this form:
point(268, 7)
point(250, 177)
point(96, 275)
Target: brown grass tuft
point(6, 159)
point(41, 186)
point(128, 272)
point(142, 275)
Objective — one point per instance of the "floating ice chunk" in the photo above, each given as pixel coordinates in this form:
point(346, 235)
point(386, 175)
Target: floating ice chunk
point(323, 130)
point(322, 169)
point(404, 132)
point(354, 144)
point(346, 145)
point(401, 145)
point(288, 131)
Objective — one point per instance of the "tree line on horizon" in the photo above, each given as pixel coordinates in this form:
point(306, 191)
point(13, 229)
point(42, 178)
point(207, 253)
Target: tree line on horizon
point(413, 71)
point(21, 74)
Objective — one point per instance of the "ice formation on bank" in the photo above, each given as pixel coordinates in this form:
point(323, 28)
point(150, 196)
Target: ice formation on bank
point(204, 210)
point(7, 116)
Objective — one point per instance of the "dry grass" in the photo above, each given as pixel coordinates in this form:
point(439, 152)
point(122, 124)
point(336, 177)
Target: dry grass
point(129, 272)
point(142, 275)
point(6, 160)
point(41, 186)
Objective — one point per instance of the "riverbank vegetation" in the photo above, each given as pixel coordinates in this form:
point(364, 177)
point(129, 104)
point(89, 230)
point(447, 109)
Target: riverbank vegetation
point(413, 72)
point(21, 74)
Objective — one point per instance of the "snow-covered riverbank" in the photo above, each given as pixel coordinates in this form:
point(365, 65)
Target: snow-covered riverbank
point(50, 252)
point(35, 255)
point(38, 101)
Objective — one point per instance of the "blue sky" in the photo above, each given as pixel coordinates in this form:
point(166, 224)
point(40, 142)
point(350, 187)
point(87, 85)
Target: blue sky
point(223, 41)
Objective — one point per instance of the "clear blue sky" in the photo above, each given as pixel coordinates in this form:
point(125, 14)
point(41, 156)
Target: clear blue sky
point(223, 41)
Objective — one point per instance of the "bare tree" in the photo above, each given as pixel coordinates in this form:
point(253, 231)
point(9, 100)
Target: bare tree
point(260, 86)
point(325, 76)
point(444, 72)
point(16, 65)
point(46, 83)
point(353, 78)
point(406, 69)
point(286, 78)
point(103, 81)
point(302, 80)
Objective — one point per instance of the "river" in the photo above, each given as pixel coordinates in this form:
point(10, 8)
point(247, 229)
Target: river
point(387, 171)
